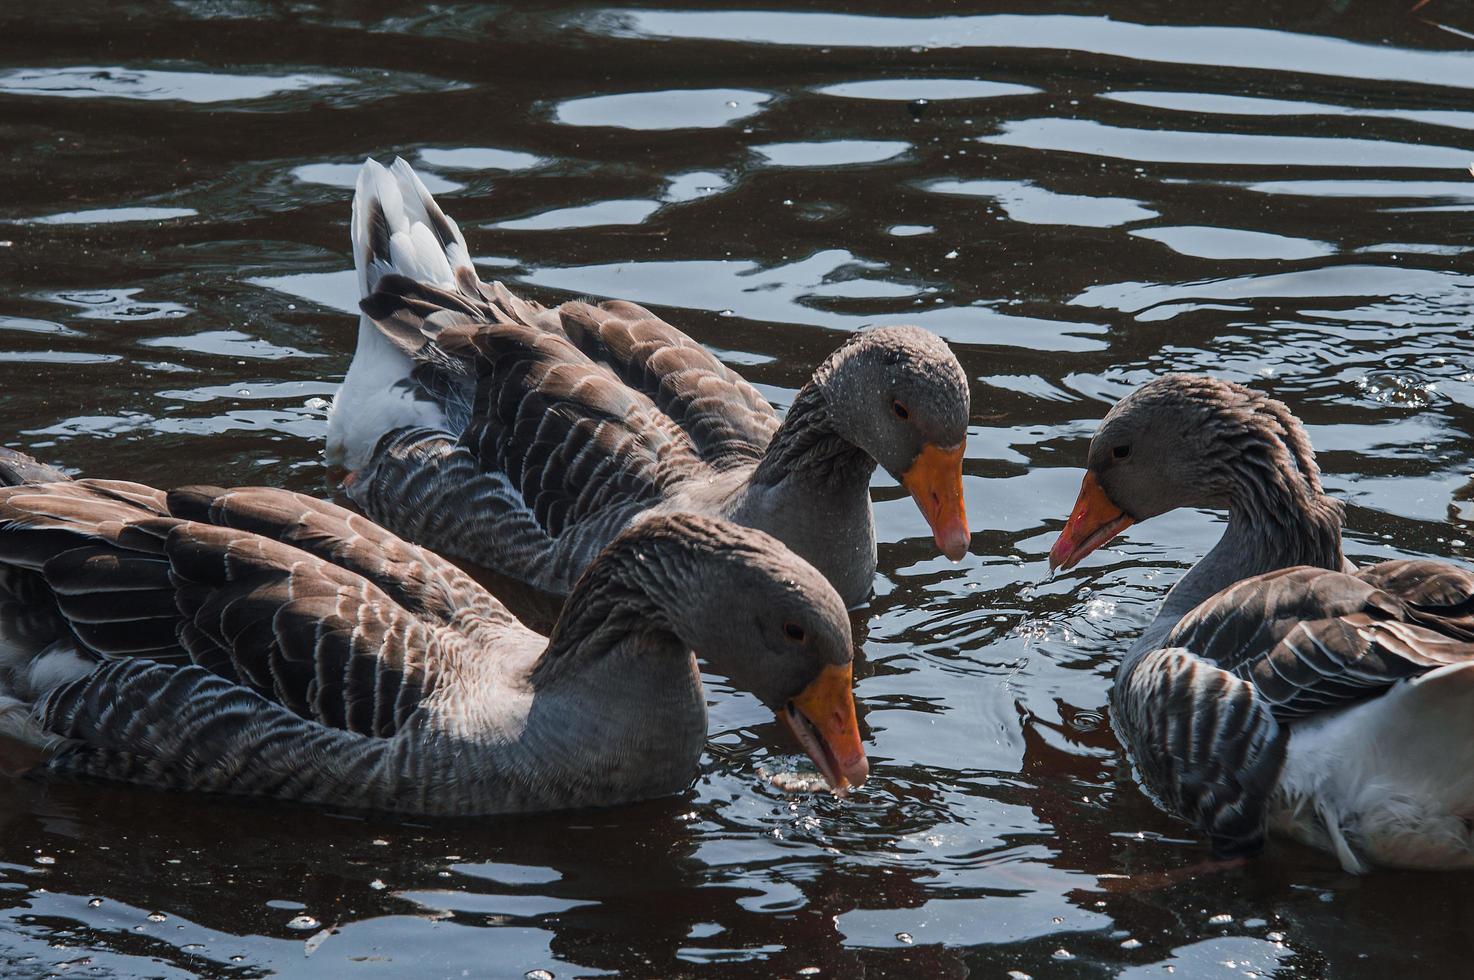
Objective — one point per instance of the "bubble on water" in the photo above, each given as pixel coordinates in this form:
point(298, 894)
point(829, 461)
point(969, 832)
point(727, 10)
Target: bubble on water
point(539, 975)
point(809, 971)
point(1275, 937)
point(380, 842)
point(1062, 954)
point(94, 903)
point(1221, 919)
point(1131, 944)
point(157, 917)
point(905, 937)
point(43, 859)
point(303, 922)
point(951, 255)
point(378, 884)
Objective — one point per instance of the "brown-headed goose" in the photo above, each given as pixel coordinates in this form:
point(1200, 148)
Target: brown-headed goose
point(260, 642)
point(1279, 687)
point(522, 439)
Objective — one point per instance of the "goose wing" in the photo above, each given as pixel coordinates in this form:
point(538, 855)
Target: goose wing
point(726, 418)
point(555, 453)
point(1205, 745)
point(727, 421)
point(297, 601)
point(1206, 717)
point(1310, 639)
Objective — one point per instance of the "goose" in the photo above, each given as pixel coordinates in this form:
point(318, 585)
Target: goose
point(260, 642)
point(1279, 689)
point(521, 440)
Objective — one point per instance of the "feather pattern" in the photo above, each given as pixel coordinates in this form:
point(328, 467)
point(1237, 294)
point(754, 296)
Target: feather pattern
point(1204, 743)
point(553, 430)
point(256, 641)
point(1331, 704)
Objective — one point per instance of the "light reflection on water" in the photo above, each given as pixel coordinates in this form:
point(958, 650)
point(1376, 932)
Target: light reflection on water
point(1076, 203)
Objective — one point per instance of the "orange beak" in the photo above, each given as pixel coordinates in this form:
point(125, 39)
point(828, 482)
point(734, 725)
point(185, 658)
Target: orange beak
point(822, 719)
point(935, 482)
point(1094, 521)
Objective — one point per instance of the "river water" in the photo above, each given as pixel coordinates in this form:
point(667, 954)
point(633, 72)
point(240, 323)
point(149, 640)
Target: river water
point(1273, 193)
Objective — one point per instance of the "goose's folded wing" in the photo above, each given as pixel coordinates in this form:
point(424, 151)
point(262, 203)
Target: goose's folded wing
point(568, 435)
point(725, 419)
point(728, 421)
point(43, 523)
point(300, 622)
point(1204, 744)
point(1435, 591)
point(1310, 639)
point(418, 580)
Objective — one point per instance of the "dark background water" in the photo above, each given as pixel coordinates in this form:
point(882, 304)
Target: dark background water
point(1274, 193)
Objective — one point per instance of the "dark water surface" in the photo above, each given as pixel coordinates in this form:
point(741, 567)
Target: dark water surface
point(1274, 193)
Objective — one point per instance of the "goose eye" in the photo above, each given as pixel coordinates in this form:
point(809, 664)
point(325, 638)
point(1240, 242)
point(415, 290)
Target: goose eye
point(902, 412)
point(794, 632)
point(1121, 452)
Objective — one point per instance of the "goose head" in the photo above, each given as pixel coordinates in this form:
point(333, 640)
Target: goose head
point(754, 611)
point(1188, 441)
point(899, 395)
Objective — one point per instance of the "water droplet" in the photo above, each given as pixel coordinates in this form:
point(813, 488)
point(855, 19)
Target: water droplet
point(157, 917)
point(303, 922)
point(905, 937)
point(1275, 937)
point(94, 903)
point(1221, 919)
point(538, 975)
point(378, 884)
point(1131, 944)
point(951, 255)
point(1062, 954)
point(45, 860)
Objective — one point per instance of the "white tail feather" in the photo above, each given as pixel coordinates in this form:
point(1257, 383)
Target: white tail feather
point(394, 230)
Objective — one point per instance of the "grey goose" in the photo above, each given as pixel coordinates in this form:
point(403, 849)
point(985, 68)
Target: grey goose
point(521, 439)
point(1279, 688)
